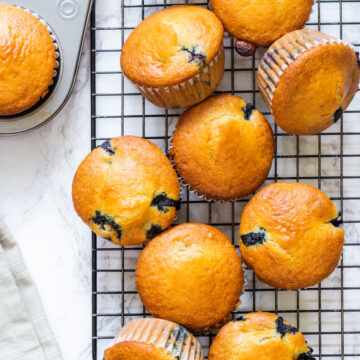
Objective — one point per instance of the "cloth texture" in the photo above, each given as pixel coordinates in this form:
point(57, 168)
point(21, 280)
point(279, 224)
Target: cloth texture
point(24, 330)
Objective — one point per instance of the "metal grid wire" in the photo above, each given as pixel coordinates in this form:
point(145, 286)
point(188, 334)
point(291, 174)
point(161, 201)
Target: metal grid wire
point(328, 313)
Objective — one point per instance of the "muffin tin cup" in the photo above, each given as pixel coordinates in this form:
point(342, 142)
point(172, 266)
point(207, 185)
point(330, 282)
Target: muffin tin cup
point(174, 339)
point(282, 53)
point(190, 91)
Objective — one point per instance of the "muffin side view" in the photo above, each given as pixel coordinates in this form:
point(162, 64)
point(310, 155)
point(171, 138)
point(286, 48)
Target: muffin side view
point(308, 79)
point(190, 274)
point(291, 235)
point(27, 60)
point(259, 22)
point(126, 190)
point(223, 148)
point(260, 335)
point(175, 57)
point(154, 339)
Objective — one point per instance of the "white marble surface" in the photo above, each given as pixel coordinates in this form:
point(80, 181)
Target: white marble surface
point(36, 172)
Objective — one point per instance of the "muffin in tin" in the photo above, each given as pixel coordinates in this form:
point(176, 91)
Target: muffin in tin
point(154, 339)
point(126, 190)
point(260, 336)
point(190, 274)
point(308, 79)
point(223, 147)
point(291, 235)
point(27, 60)
point(260, 22)
point(175, 57)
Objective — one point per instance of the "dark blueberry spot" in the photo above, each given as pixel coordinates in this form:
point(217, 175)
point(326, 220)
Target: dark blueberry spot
point(153, 231)
point(357, 57)
point(338, 113)
point(248, 110)
point(103, 220)
point(194, 55)
point(107, 147)
point(162, 202)
point(254, 238)
point(306, 356)
point(337, 222)
point(283, 328)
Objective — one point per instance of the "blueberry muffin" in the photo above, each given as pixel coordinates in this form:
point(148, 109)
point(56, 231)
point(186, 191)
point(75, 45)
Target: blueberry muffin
point(291, 235)
point(27, 60)
point(260, 336)
point(260, 22)
point(154, 339)
point(308, 79)
point(223, 147)
point(190, 274)
point(175, 57)
point(126, 190)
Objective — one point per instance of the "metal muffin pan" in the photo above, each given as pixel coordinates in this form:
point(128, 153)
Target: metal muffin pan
point(68, 19)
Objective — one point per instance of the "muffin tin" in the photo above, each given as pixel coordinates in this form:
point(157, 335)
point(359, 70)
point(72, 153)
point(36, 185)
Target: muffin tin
point(68, 20)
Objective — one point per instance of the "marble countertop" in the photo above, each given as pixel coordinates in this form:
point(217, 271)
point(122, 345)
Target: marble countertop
point(36, 172)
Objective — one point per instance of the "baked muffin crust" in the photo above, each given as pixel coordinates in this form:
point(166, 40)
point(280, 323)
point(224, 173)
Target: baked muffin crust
point(191, 275)
point(27, 60)
point(291, 235)
point(223, 147)
point(126, 190)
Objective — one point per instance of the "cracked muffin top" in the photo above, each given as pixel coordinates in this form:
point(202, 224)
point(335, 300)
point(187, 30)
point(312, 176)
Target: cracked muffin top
point(261, 21)
point(223, 147)
point(291, 235)
point(126, 190)
point(27, 60)
point(171, 45)
point(260, 336)
point(190, 274)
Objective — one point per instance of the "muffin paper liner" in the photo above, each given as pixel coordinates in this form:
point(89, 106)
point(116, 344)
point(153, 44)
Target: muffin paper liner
point(190, 91)
point(174, 339)
point(282, 53)
point(53, 36)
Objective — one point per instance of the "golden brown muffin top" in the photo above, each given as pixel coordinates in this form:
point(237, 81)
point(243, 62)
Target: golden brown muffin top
point(290, 235)
point(126, 190)
point(154, 339)
point(191, 275)
point(260, 336)
point(134, 350)
point(315, 88)
point(171, 45)
point(27, 60)
point(262, 21)
point(223, 147)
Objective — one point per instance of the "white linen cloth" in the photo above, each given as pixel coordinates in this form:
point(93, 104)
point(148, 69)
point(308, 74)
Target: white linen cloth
point(24, 330)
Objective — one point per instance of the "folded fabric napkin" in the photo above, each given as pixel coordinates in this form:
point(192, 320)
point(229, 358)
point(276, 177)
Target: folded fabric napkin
point(24, 330)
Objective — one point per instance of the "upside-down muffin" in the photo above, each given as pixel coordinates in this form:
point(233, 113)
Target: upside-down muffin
point(260, 336)
point(223, 147)
point(190, 274)
point(154, 339)
point(175, 57)
point(291, 235)
point(308, 79)
point(27, 60)
point(126, 190)
point(260, 22)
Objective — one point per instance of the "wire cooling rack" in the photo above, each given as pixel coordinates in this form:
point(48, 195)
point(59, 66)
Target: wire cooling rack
point(328, 313)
